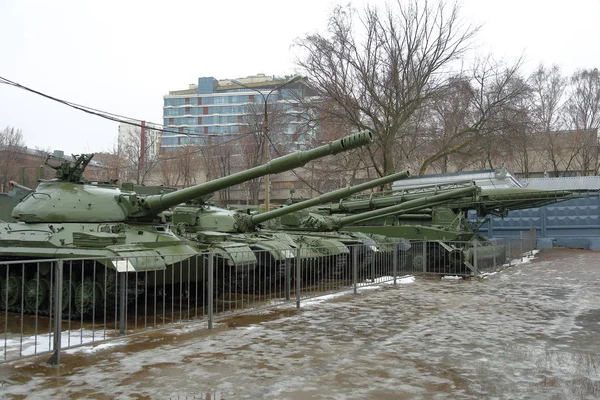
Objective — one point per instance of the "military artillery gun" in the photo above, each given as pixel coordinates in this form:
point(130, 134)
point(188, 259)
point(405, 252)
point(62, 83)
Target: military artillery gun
point(451, 239)
point(110, 228)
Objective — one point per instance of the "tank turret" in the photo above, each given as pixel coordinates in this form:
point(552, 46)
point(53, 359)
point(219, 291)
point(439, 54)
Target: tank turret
point(69, 199)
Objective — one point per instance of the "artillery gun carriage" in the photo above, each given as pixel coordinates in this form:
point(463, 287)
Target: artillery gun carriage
point(450, 239)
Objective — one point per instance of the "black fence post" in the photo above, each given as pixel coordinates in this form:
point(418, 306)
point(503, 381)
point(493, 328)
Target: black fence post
point(288, 277)
point(122, 300)
point(475, 257)
point(210, 293)
point(355, 268)
point(57, 304)
point(298, 275)
point(395, 264)
point(425, 257)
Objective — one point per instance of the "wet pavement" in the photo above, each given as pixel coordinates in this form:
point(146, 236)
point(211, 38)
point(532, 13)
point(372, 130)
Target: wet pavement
point(530, 331)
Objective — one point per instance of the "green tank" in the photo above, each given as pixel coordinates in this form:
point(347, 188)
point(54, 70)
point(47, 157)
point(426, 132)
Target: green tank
point(273, 248)
point(116, 229)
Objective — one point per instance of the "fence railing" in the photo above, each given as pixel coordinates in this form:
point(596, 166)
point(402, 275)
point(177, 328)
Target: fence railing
point(52, 305)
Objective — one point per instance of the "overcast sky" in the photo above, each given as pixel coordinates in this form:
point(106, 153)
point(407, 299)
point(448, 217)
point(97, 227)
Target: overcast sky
point(123, 56)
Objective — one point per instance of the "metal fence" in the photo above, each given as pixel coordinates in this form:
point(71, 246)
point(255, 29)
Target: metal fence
point(52, 305)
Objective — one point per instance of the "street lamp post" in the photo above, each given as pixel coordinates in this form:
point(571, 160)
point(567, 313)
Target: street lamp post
point(265, 127)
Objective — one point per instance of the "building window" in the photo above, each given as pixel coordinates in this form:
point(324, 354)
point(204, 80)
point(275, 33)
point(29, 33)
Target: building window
point(205, 111)
point(199, 101)
point(206, 129)
point(187, 100)
point(199, 120)
point(171, 120)
point(187, 110)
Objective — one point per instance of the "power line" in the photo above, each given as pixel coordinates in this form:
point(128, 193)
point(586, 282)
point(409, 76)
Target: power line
point(155, 127)
point(110, 116)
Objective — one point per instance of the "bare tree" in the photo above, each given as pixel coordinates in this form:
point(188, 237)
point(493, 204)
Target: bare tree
point(583, 104)
point(587, 162)
point(219, 156)
point(378, 82)
point(475, 112)
point(560, 150)
point(169, 170)
point(11, 146)
point(546, 98)
point(583, 113)
point(138, 151)
point(181, 167)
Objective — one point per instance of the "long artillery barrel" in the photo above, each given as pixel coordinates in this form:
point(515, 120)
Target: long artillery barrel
point(410, 205)
point(154, 204)
point(389, 198)
point(326, 198)
point(500, 201)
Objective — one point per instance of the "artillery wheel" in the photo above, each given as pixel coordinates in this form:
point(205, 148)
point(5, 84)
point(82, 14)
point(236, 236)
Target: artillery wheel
point(37, 294)
point(10, 288)
point(87, 295)
point(455, 262)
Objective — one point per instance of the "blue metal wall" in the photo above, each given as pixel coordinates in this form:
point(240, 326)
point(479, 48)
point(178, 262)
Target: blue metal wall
point(572, 223)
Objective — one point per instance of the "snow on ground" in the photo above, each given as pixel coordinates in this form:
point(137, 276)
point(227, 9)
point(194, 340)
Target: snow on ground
point(14, 345)
point(527, 332)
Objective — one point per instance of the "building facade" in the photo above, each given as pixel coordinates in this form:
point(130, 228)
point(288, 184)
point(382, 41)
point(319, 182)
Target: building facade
point(237, 124)
point(219, 108)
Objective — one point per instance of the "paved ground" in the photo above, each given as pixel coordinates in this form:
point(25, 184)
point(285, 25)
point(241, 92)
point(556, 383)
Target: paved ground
point(528, 332)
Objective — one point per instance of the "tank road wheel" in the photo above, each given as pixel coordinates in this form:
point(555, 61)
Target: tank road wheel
point(12, 289)
point(68, 292)
point(37, 294)
point(86, 295)
point(107, 285)
point(234, 283)
point(417, 262)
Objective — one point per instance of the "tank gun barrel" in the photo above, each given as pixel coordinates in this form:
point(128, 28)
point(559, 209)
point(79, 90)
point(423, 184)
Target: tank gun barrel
point(327, 197)
point(152, 205)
